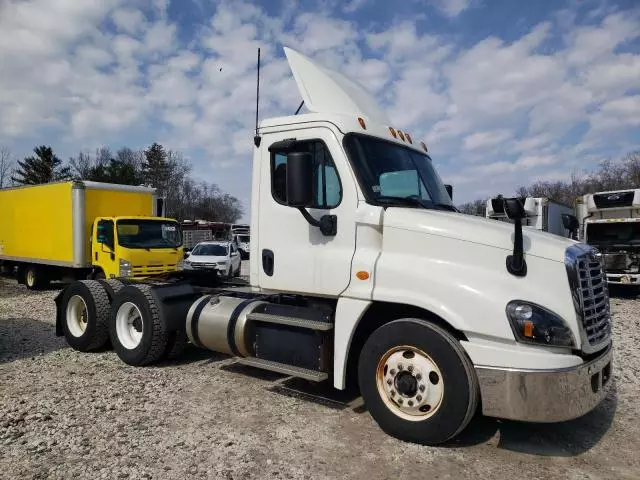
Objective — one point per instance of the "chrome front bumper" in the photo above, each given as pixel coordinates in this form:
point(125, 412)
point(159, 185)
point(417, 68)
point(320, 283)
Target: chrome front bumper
point(545, 395)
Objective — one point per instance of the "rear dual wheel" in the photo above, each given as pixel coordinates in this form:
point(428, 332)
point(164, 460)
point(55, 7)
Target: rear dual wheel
point(136, 330)
point(417, 381)
point(85, 307)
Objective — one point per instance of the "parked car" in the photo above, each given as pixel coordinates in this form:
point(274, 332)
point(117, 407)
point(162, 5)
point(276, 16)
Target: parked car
point(222, 257)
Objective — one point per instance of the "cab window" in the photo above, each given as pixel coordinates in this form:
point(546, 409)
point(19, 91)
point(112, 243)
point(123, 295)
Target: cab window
point(327, 188)
point(105, 233)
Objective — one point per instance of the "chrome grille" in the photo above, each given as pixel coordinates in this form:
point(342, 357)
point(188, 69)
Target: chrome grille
point(590, 294)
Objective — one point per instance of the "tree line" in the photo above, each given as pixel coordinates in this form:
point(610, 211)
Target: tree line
point(610, 174)
point(166, 170)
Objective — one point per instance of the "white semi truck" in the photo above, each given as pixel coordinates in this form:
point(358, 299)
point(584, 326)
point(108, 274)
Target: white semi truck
point(610, 221)
point(543, 214)
point(362, 270)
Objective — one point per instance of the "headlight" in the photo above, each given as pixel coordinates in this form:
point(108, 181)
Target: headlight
point(184, 265)
point(532, 323)
point(222, 264)
point(125, 269)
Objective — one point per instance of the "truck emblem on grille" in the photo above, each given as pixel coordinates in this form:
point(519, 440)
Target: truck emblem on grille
point(615, 196)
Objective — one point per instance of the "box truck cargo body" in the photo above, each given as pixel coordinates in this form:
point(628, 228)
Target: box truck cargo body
point(542, 214)
point(85, 229)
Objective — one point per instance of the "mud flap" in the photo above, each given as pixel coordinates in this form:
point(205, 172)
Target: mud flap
point(59, 314)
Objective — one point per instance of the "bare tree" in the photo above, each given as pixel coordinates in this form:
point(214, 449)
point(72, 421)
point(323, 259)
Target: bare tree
point(6, 166)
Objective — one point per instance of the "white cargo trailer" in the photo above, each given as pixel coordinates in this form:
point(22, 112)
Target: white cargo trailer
point(543, 214)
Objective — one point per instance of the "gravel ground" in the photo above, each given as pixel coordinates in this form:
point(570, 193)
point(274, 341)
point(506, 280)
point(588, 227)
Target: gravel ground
point(65, 414)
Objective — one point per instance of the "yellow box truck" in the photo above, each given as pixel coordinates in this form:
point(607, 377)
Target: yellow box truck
point(81, 229)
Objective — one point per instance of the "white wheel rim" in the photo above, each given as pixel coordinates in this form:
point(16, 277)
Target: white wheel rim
point(77, 316)
point(129, 325)
point(31, 278)
point(410, 383)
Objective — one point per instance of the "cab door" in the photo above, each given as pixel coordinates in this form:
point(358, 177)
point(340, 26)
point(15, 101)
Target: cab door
point(295, 256)
point(104, 247)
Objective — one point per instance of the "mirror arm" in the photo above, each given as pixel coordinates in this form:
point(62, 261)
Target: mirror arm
point(516, 264)
point(307, 216)
point(328, 224)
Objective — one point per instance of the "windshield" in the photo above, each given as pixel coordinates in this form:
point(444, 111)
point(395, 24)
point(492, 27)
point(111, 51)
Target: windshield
point(387, 171)
point(212, 250)
point(613, 233)
point(243, 238)
point(148, 234)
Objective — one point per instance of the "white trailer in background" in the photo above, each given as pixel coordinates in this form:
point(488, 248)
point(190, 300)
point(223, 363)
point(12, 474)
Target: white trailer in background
point(542, 214)
point(610, 221)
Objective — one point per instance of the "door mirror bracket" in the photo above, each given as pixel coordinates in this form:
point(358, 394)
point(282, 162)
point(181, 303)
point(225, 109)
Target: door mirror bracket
point(328, 224)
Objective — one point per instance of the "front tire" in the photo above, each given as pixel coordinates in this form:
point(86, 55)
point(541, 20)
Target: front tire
point(417, 381)
point(86, 315)
point(136, 332)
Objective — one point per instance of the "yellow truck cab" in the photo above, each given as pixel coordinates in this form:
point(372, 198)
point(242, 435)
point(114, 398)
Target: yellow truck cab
point(135, 247)
point(81, 229)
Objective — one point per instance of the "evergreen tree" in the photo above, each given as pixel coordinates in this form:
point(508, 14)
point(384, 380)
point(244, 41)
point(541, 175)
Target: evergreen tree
point(44, 167)
point(155, 167)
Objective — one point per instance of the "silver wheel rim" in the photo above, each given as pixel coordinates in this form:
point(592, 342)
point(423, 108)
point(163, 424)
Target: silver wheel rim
point(31, 278)
point(77, 316)
point(410, 383)
point(129, 325)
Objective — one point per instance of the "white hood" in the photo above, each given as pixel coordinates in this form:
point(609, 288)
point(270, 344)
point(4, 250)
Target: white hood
point(328, 91)
point(474, 229)
point(206, 258)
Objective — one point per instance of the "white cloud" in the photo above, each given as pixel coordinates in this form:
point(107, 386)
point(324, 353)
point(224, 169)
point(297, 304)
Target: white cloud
point(353, 5)
point(128, 20)
point(451, 8)
point(483, 140)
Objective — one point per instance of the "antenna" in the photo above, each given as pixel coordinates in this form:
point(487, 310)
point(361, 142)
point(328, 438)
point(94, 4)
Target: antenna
point(256, 138)
point(299, 107)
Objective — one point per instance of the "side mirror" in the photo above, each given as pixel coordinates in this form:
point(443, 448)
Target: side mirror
point(513, 208)
point(299, 179)
point(449, 189)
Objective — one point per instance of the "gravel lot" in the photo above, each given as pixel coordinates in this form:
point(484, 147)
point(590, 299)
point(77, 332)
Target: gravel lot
point(65, 414)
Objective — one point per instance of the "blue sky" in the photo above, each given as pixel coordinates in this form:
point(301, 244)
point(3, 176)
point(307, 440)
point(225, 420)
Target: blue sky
point(504, 92)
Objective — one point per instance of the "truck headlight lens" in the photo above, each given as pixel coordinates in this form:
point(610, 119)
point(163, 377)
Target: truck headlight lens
point(184, 265)
point(125, 268)
point(532, 323)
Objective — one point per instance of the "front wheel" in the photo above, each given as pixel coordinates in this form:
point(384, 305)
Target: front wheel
point(417, 381)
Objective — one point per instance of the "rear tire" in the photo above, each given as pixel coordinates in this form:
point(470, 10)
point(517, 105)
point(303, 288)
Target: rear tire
point(136, 332)
point(417, 381)
point(176, 345)
point(86, 315)
point(112, 287)
point(35, 278)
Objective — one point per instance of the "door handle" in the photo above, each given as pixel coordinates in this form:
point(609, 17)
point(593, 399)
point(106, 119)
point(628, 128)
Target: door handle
point(267, 262)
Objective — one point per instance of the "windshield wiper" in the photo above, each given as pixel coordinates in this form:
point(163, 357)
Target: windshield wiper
point(404, 200)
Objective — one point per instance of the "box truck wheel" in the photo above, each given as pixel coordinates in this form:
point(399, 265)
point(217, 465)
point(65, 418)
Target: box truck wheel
point(135, 328)
point(417, 382)
point(86, 315)
point(35, 277)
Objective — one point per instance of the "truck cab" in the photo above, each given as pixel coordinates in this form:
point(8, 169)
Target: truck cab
point(610, 221)
point(135, 247)
point(363, 272)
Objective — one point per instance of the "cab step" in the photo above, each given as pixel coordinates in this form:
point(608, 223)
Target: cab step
point(291, 321)
point(312, 375)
